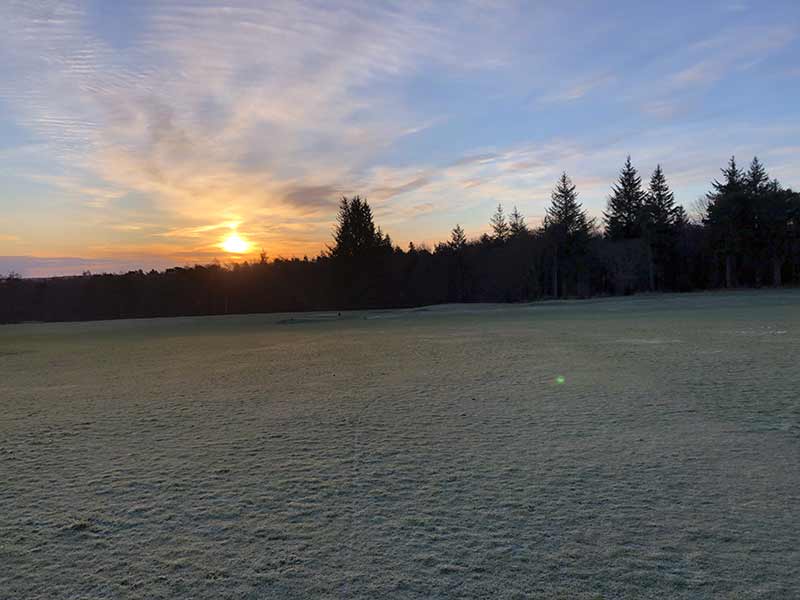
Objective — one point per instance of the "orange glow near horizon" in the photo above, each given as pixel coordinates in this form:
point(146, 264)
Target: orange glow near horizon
point(234, 244)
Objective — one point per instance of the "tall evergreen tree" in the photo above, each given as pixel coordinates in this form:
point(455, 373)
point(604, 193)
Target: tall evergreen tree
point(355, 234)
point(567, 226)
point(565, 212)
point(681, 219)
point(660, 219)
point(776, 220)
point(517, 224)
point(725, 214)
point(458, 238)
point(623, 215)
point(659, 210)
point(500, 228)
point(732, 182)
point(756, 180)
point(767, 213)
point(758, 211)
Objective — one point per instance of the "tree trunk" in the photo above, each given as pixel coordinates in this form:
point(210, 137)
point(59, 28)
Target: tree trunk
point(555, 275)
point(728, 271)
point(651, 267)
point(777, 263)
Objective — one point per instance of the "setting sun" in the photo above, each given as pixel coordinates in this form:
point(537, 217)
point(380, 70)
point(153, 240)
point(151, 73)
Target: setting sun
point(235, 244)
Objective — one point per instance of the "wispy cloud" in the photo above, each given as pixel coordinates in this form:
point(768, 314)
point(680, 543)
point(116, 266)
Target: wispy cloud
point(578, 89)
point(264, 114)
point(198, 231)
point(524, 175)
point(717, 56)
point(221, 112)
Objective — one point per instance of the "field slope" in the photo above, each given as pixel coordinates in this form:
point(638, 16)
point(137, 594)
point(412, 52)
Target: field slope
point(643, 447)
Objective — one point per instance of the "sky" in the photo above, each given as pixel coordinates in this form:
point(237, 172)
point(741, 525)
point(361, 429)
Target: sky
point(141, 134)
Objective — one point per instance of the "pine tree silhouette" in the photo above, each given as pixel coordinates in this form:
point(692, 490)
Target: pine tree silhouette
point(565, 212)
point(567, 226)
point(500, 229)
point(659, 211)
point(355, 234)
point(726, 208)
point(517, 224)
point(623, 215)
point(756, 180)
point(660, 220)
point(458, 238)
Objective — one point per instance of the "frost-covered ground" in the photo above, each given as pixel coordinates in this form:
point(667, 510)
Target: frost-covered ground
point(422, 454)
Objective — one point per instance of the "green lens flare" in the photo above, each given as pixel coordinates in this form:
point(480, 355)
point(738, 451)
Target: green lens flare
point(560, 379)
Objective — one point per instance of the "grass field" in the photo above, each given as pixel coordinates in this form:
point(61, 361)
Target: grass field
point(425, 453)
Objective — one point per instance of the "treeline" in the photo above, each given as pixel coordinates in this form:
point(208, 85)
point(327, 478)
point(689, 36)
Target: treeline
point(748, 235)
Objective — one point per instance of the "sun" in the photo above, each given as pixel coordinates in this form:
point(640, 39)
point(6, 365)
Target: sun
point(235, 244)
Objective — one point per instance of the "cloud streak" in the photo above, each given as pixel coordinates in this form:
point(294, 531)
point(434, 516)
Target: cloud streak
point(264, 114)
point(219, 112)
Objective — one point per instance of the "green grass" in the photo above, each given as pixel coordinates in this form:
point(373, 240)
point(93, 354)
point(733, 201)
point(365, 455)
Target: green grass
point(426, 453)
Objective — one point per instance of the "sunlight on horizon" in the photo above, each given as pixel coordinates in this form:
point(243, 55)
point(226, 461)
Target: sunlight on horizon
point(139, 135)
point(234, 244)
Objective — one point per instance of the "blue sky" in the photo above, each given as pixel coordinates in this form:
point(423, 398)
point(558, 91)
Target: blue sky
point(140, 134)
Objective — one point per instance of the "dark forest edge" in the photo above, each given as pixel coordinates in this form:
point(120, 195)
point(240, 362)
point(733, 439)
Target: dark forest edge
point(748, 235)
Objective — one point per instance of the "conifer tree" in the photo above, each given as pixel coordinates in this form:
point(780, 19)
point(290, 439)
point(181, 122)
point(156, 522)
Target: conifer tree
point(659, 210)
point(726, 202)
point(756, 179)
point(517, 224)
point(567, 225)
point(732, 183)
point(767, 214)
point(658, 221)
point(681, 219)
point(565, 212)
point(458, 238)
point(623, 215)
point(756, 213)
point(355, 234)
point(500, 229)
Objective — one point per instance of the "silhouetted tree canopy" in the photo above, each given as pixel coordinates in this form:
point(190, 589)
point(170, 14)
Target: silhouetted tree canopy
point(355, 234)
point(661, 221)
point(660, 213)
point(568, 230)
point(500, 228)
point(729, 214)
point(458, 239)
point(516, 224)
point(565, 216)
point(623, 217)
point(749, 236)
